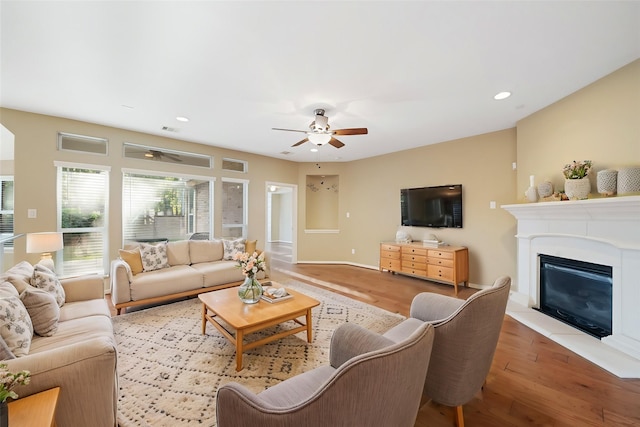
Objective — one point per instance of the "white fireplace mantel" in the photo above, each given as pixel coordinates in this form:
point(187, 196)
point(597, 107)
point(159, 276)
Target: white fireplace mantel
point(602, 231)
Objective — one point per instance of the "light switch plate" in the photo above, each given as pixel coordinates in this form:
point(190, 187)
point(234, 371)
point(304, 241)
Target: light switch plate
point(32, 213)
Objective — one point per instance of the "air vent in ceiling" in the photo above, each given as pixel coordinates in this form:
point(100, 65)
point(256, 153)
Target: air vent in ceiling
point(169, 129)
point(286, 153)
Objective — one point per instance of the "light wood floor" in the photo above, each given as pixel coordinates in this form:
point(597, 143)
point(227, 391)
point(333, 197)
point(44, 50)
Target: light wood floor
point(533, 381)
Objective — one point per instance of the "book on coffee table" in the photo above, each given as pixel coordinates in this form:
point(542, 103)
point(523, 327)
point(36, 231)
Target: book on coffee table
point(275, 295)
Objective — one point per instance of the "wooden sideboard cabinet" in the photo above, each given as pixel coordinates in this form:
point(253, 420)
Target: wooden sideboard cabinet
point(446, 264)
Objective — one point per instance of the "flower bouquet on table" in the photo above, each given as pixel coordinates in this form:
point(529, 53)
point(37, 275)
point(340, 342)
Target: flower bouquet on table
point(9, 381)
point(250, 264)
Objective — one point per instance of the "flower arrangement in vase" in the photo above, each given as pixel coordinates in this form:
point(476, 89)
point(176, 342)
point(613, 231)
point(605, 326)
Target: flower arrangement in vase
point(250, 291)
point(8, 382)
point(577, 185)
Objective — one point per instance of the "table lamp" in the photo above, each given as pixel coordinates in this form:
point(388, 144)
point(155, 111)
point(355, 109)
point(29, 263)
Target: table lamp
point(44, 243)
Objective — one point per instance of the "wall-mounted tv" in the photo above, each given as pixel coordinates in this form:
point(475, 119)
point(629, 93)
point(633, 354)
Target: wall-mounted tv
point(439, 206)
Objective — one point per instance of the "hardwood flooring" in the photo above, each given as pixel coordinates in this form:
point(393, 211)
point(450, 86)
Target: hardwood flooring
point(533, 381)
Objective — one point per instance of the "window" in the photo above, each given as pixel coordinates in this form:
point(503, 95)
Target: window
point(82, 218)
point(234, 165)
point(156, 207)
point(234, 207)
point(155, 154)
point(83, 144)
point(6, 206)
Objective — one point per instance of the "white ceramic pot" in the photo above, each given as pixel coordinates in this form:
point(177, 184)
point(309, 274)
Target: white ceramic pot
point(577, 189)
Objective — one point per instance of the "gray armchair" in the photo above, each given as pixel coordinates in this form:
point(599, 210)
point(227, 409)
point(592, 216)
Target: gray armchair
point(466, 337)
point(371, 380)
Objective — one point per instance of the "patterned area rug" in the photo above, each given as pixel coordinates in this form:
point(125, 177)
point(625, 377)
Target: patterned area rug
point(169, 372)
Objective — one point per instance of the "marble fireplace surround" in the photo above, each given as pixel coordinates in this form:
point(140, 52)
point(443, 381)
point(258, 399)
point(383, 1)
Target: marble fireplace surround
point(602, 231)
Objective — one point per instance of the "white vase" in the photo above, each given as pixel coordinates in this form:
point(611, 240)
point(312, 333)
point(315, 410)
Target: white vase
point(577, 189)
point(531, 194)
point(629, 180)
point(607, 182)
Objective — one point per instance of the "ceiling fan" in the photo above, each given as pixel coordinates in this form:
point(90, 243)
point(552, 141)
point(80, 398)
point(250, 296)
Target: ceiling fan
point(158, 155)
point(320, 134)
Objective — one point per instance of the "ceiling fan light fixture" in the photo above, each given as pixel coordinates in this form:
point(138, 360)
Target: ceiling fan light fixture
point(319, 138)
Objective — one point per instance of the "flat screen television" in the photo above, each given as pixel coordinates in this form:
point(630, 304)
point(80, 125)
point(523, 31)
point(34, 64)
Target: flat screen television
point(439, 206)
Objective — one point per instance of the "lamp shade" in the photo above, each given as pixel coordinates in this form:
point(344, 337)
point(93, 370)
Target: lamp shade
point(44, 242)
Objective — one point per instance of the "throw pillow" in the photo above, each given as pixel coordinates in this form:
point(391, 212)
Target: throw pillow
point(133, 258)
point(46, 279)
point(5, 353)
point(15, 326)
point(43, 310)
point(250, 246)
point(231, 247)
point(20, 275)
point(154, 257)
point(7, 290)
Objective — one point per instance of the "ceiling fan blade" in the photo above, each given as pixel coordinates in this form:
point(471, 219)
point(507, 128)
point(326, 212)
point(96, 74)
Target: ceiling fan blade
point(353, 131)
point(173, 157)
point(300, 142)
point(291, 130)
point(336, 143)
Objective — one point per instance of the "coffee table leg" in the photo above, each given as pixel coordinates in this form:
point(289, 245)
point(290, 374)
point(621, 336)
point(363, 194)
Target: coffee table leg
point(204, 318)
point(239, 340)
point(309, 329)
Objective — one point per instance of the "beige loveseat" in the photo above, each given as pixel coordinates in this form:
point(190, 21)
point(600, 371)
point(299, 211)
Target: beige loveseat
point(192, 267)
point(79, 356)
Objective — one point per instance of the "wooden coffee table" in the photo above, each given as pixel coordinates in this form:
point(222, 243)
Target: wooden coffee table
point(247, 318)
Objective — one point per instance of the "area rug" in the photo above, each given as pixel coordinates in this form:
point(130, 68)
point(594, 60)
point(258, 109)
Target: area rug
point(169, 372)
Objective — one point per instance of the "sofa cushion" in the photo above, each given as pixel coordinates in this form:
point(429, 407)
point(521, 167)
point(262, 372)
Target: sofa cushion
point(43, 310)
point(205, 250)
point(79, 309)
point(46, 279)
point(132, 258)
point(73, 332)
point(232, 247)
point(178, 253)
point(163, 282)
point(154, 257)
point(219, 272)
point(15, 325)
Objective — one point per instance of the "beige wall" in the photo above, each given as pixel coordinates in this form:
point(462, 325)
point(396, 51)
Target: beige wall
point(35, 174)
point(370, 193)
point(600, 122)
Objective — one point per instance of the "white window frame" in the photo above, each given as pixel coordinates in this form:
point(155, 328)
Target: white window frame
point(104, 229)
point(8, 246)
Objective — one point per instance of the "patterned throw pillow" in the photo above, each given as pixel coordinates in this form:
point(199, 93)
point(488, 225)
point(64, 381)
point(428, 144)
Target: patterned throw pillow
point(5, 353)
point(154, 257)
point(15, 326)
point(43, 310)
point(46, 279)
point(231, 247)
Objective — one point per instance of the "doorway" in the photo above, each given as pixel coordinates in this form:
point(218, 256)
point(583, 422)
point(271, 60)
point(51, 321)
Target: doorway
point(281, 227)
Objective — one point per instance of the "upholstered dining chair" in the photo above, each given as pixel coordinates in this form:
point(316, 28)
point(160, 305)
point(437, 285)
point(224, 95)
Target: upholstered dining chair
point(371, 380)
point(466, 337)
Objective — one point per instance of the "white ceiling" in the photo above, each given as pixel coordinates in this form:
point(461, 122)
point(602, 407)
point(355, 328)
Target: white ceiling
point(413, 73)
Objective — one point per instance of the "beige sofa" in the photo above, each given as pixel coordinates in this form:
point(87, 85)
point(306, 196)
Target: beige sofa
point(79, 357)
point(193, 267)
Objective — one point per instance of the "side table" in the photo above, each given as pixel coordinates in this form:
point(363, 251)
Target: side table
point(37, 410)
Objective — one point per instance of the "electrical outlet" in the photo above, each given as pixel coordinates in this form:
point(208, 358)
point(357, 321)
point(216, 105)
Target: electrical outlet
point(32, 213)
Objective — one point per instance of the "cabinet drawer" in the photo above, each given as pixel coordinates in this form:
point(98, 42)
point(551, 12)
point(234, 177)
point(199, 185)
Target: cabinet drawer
point(413, 265)
point(406, 258)
point(389, 248)
point(390, 264)
point(440, 273)
point(414, 271)
point(390, 255)
point(440, 254)
point(413, 251)
point(440, 261)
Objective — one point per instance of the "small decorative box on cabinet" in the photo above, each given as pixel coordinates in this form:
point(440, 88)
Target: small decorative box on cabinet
point(447, 264)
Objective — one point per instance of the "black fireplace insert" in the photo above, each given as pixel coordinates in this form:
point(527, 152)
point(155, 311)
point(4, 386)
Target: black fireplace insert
point(577, 293)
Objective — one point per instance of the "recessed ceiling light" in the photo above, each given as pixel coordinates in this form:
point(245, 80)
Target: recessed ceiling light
point(182, 119)
point(502, 95)
point(314, 150)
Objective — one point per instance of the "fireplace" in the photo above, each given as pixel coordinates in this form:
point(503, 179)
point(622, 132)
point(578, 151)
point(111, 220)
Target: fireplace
point(577, 293)
point(598, 231)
